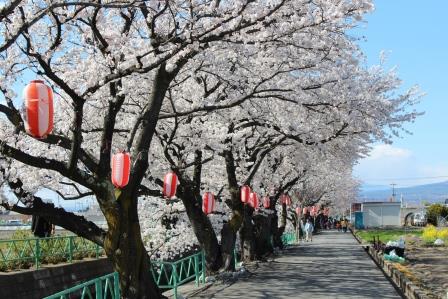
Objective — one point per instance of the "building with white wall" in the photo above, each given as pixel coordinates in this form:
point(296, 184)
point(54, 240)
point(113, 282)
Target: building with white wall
point(380, 214)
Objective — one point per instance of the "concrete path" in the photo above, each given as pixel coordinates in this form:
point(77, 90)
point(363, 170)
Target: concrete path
point(332, 266)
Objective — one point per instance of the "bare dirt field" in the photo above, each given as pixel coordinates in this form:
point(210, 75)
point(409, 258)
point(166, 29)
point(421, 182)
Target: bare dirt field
point(428, 268)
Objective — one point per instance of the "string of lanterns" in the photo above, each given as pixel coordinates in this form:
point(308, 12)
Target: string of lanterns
point(38, 114)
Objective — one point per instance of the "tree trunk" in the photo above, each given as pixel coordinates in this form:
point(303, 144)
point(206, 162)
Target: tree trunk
point(229, 231)
point(282, 227)
point(262, 231)
point(124, 247)
point(247, 236)
point(276, 231)
point(132, 263)
point(202, 226)
point(228, 240)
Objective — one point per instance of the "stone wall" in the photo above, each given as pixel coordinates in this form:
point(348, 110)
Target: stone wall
point(36, 284)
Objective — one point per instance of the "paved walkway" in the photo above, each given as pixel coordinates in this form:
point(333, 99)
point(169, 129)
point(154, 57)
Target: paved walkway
point(332, 266)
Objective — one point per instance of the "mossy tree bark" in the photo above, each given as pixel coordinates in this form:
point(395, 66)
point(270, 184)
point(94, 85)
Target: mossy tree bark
point(262, 234)
point(123, 242)
point(247, 235)
point(202, 226)
point(230, 229)
point(124, 246)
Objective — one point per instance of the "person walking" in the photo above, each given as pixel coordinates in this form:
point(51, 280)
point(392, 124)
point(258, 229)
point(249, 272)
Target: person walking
point(309, 228)
point(344, 225)
point(302, 230)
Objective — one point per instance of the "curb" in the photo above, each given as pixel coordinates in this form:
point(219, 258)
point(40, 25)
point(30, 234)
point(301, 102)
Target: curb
point(406, 287)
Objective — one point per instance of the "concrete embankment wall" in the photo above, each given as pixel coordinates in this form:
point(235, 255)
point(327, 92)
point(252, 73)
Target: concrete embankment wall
point(408, 289)
point(36, 284)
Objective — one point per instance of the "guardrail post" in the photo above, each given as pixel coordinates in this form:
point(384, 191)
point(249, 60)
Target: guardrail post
point(116, 286)
point(37, 253)
point(235, 257)
point(203, 266)
point(174, 274)
point(98, 289)
point(70, 249)
point(196, 269)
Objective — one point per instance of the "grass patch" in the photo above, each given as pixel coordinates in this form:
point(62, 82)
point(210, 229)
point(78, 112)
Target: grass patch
point(20, 251)
point(386, 235)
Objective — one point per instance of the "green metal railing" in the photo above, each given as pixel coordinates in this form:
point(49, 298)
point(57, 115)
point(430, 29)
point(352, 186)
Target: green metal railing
point(105, 287)
point(167, 275)
point(236, 259)
point(170, 275)
point(289, 238)
point(24, 253)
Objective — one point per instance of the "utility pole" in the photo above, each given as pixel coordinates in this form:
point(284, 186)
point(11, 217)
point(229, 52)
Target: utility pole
point(393, 191)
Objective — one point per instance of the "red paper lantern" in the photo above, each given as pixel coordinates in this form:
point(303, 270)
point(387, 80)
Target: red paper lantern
point(121, 168)
point(208, 203)
point(266, 202)
point(245, 192)
point(286, 200)
point(170, 185)
point(38, 109)
point(298, 211)
point(254, 202)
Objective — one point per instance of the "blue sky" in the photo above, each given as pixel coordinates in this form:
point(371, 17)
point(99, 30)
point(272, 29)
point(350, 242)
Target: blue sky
point(415, 36)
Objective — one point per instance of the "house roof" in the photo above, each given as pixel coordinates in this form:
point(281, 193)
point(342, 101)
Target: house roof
point(382, 203)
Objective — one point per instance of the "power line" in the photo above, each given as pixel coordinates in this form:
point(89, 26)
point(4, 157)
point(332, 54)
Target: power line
point(406, 179)
point(393, 190)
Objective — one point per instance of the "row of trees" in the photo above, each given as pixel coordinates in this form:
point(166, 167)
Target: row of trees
point(271, 94)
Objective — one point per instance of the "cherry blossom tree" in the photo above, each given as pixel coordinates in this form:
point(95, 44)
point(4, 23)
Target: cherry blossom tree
point(94, 55)
point(224, 93)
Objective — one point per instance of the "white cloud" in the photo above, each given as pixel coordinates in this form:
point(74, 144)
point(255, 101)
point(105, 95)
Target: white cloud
point(440, 170)
point(384, 162)
point(387, 151)
point(387, 164)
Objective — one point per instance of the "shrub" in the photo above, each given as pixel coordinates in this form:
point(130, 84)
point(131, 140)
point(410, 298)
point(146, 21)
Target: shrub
point(21, 254)
point(434, 211)
point(443, 234)
point(22, 234)
point(429, 234)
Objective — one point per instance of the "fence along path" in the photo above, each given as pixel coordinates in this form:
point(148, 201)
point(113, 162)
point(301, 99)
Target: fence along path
point(332, 266)
point(168, 275)
point(24, 253)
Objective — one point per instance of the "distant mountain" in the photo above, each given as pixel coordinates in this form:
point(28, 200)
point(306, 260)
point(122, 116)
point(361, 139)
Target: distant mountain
point(368, 187)
point(436, 192)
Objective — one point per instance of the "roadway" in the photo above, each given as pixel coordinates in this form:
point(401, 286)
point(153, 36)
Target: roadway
point(334, 265)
